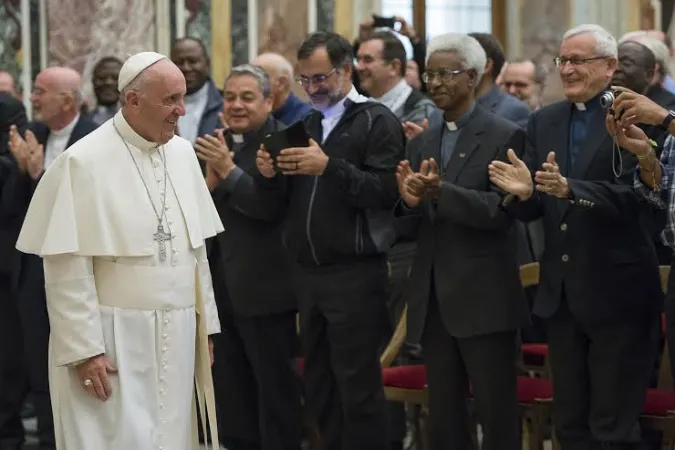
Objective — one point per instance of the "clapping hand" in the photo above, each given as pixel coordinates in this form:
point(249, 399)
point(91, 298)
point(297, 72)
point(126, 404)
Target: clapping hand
point(411, 195)
point(265, 163)
point(514, 178)
point(413, 187)
point(28, 153)
point(93, 375)
point(550, 180)
point(411, 129)
point(214, 151)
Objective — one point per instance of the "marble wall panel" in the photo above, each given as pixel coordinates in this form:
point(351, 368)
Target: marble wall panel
point(239, 25)
point(282, 26)
point(542, 24)
point(325, 14)
point(198, 21)
point(10, 38)
point(81, 33)
point(13, 50)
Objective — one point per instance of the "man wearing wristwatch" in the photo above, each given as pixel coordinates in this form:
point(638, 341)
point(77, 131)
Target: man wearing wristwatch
point(655, 179)
point(599, 288)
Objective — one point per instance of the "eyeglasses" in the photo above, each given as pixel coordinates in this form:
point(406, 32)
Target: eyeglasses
point(445, 75)
point(315, 79)
point(575, 61)
point(516, 84)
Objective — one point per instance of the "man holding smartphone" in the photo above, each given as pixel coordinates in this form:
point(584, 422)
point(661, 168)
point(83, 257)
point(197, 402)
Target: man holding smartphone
point(338, 228)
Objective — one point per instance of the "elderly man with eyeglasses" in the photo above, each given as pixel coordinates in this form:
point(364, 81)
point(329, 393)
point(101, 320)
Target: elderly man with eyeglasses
point(467, 303)
point(599, 287)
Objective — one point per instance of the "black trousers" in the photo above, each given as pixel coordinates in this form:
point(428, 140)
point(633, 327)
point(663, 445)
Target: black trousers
point(257, 386)
point(489, 364)
point(669, 309)
point(600, 375)
point(343, 315)
point(13, 376)
point(32, 307)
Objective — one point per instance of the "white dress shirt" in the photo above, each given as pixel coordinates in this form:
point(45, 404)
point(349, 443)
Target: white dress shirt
point(332, 115)
point(396, 97)
point(195, 104)
point(57, 142)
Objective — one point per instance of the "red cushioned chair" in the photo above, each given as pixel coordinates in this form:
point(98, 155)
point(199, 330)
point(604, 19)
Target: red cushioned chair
point(658, 411)
point(408, 384)
point(534, 357)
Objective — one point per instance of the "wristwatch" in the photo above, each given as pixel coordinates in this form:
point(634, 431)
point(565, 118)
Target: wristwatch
point(669, 118)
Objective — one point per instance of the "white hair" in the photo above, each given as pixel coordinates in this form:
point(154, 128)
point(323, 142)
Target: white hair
point(137, 84)
point(285, 68)
point(658, 48)
point(605, 44)
point(468, 48)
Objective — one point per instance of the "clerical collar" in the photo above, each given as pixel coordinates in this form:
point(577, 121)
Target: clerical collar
point(240, 138)
point(590, 105)
point(461, 120)
point(130, 135)
point(68, 129)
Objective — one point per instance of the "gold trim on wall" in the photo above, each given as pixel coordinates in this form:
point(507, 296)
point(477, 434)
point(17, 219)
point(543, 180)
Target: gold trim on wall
point(343, 18)
point(221, 40)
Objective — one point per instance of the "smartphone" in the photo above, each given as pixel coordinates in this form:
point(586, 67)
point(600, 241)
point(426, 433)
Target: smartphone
point(383, 22)
point(294, 136)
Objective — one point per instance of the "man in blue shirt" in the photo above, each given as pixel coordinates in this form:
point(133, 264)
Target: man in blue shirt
point(287, 107)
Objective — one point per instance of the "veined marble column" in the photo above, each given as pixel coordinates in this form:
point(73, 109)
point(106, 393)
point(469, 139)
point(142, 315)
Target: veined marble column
point(81, 33)
point(534, 31)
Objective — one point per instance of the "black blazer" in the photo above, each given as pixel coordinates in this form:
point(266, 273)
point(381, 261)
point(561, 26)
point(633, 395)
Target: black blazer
point(16, 196)
point(465, 245)
point(249, 264)
point(598, 251)
point(12, 112)
point(21, 185)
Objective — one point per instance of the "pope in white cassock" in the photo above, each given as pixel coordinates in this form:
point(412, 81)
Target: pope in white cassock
point(120, 220)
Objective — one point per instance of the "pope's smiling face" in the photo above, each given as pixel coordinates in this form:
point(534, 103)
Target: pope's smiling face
point(157, 103)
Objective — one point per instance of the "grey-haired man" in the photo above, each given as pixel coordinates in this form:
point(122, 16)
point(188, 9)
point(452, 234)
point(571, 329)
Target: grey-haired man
point(257, 387)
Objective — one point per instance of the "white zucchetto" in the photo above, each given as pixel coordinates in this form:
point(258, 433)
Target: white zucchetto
point(135, 65)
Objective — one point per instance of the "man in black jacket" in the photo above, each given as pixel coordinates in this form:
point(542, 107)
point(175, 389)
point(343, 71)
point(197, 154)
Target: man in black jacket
point(56, 100)
point(341, 191)
point(599, 287)
point(13, 378)
point(257, 386)
point(465, 299)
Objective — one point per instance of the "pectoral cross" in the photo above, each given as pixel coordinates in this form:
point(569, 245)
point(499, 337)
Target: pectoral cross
point(161, 238)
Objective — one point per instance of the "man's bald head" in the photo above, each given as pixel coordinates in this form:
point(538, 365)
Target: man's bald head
point(280, 71)
point(153, 101)
point(57, 96)
point(274, 64)
point(7, 83)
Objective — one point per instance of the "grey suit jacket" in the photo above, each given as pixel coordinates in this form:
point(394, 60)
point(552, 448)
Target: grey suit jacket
point(465, 240)
point(507, 106)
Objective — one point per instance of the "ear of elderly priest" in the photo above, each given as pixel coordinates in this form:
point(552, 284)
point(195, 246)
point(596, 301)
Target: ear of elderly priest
point(121, 220)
